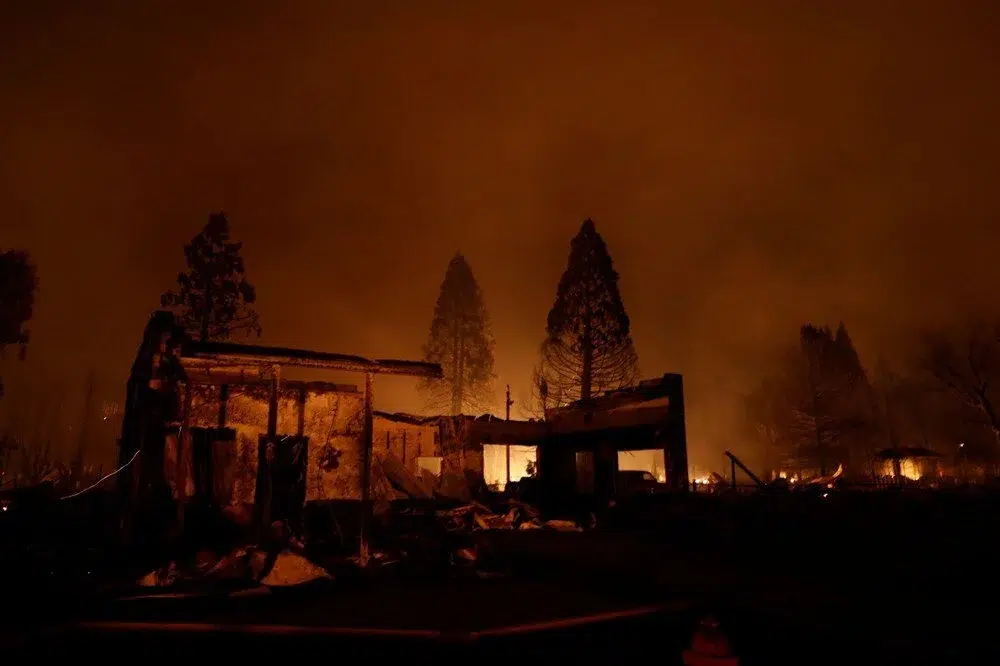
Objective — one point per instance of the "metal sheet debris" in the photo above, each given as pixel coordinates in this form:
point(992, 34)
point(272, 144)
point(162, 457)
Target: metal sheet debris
point(292, 569)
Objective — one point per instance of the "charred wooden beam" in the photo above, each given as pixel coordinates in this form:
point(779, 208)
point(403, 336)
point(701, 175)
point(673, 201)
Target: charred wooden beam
point(198, 371)
point(736, 462)
point(197, 377)
point(399, 417)
point(232, 354)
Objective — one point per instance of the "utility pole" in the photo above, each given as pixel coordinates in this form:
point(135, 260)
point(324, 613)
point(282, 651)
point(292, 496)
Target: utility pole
point(509, 403)
point(366, 471)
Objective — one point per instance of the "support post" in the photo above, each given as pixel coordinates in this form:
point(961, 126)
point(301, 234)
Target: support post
point(508, 464)
point(180, 476)
point(265, 456)
point(223, 404)
point(366, 465)
point(675, 432)
point(732, 464)
point(272, 404)
point(302, 411)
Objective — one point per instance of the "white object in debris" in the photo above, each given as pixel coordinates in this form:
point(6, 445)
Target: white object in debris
point(291, 569)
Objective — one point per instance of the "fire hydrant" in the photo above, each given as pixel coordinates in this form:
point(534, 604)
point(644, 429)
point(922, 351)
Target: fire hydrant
point(709, 646)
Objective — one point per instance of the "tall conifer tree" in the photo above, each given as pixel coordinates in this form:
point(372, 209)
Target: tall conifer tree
point(588, 346)
point(461, 341)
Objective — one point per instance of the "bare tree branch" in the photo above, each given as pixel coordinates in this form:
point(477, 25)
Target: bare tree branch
point(965, 363)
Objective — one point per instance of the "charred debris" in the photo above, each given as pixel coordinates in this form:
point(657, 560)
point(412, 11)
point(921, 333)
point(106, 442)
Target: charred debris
point(231, 471)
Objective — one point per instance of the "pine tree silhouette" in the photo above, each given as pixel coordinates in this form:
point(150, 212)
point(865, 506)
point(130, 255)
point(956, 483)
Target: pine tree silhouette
point(588, 346)
point(461, 341)
point(18, 283)
point(214, 298)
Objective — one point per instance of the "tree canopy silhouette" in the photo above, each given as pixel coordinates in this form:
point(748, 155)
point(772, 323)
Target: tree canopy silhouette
point(588, 346)
point(214, 298)
point(18, 283)
point(461, 340)
point(818, 407)
point(966, 363)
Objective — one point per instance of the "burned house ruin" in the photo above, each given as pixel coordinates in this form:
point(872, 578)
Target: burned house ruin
point(218, 425)
point(579, 449)
point(589, 442)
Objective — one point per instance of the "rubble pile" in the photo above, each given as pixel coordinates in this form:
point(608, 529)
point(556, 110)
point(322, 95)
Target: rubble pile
point(413, 532)
point(416, 525)
point(293, 569)
point(470, 515)
point(518, 516)
point(280, 560)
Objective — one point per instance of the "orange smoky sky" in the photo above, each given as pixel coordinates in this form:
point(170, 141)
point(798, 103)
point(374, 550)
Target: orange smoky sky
point(752, 166)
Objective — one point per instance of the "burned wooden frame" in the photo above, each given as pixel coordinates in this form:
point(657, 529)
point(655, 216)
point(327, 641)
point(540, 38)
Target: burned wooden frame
point(167, 357)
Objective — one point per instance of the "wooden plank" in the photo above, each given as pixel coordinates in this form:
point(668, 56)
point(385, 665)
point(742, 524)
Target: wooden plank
point(227, 353)
point(410, 419)
point(197, 376)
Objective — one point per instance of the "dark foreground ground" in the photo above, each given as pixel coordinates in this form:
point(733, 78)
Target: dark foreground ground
point(841, 579)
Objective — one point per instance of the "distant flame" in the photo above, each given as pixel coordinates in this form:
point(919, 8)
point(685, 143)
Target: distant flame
point(908, 469)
